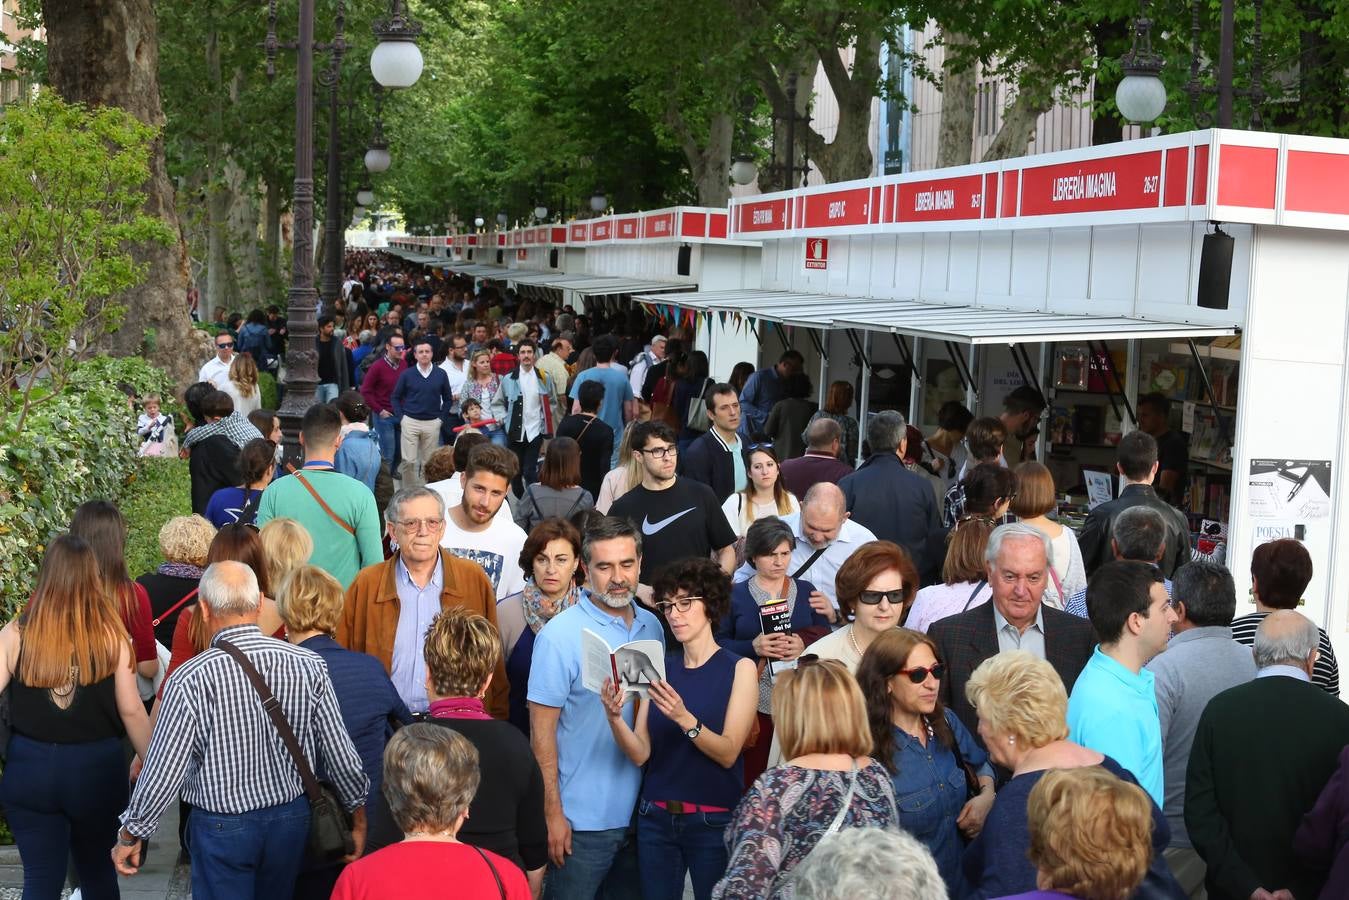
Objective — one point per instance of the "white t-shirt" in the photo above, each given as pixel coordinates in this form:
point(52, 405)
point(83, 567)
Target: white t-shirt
point(497, 550)
point(216, 372)
point(458, 377)
point(451, 490)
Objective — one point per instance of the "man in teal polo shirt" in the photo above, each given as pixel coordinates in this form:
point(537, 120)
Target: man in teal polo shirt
point(590, 787)
point(1113, 707)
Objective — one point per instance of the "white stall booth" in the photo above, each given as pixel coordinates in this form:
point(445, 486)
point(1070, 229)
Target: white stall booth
point(1210, 267)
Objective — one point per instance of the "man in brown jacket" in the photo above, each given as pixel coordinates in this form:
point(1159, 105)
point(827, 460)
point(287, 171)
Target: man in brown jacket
point(391, 604)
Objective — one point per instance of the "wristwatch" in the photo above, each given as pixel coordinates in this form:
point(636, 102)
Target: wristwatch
point(126, 842)
point(697, 729)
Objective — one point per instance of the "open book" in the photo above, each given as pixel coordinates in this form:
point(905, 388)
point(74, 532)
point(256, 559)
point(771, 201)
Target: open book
point(633, 666)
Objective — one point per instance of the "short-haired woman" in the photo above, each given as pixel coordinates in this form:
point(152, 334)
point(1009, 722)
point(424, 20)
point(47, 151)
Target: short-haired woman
point(829, 782)
point(431, 777)
point(550, 556)
point(768, 548)
point(925, 748)
point(184, 542)
point(70, 669)
point(837, 405)
point(506, 814)
point(1035, 499)
point(1023, 711)
point(691, 744)
point(310, 603)
point(1280, 572)
point(558, 493)
point(240, 504)
point(1090, 836)
point(875, 588)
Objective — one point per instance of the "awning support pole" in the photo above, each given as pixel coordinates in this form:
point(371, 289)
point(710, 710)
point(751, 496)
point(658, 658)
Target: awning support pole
point(907, 356)
point(857, 348)
point(786, 342)
point(1208, 388)
point(962, 368)
point(1026, 377)
point(1119, 386)
point(819, 348)
point(1029, 372)
point(863, 404)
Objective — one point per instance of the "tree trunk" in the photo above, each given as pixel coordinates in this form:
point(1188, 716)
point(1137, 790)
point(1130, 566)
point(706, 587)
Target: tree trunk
point(242, 231)
point(221, 290)
point(955, 138)
point(848, 155)
point(271, 231)
point(106, 53)
point(710, 159)
point(1018, 127)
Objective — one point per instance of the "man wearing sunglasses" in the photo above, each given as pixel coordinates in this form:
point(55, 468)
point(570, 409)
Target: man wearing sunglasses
point(217, 368)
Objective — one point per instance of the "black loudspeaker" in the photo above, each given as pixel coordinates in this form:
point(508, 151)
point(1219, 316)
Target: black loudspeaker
point(470, 252)
point(1215, 270)
point(501, 257)
point(552, 258)
point(685, 259)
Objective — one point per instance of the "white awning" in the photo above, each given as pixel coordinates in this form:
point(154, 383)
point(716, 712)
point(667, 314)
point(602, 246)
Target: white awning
point(962, 324)
point(477, 270)
point(602, 286)
point(541, 278)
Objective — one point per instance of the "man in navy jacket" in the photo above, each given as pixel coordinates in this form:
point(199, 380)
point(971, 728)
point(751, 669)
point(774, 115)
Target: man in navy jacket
point(421, 395)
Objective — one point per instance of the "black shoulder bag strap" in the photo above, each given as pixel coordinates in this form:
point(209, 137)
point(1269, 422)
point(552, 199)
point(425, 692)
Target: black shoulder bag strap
point(273, 709)
point(975, 593)
point(810, 561)
point(496, 876)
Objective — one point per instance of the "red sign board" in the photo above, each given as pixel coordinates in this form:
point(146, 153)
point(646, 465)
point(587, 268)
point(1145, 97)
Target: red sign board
point(658, 225)
point(627, 229)
point(761, 215)
point(942, 199)
point(716, 226)
point(1132, 181)
point(1248, 176)
point(579, 232)
point(522, 254)
point(602, 230)
point(558, 235)
point(1316, 182)
point(817, 253)
point(837, 208)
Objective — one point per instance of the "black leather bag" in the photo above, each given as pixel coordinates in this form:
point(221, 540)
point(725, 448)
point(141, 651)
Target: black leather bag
point(329, 825)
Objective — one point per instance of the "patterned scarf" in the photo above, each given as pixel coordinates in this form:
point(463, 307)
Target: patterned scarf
point(539, 609)
point(180, 570)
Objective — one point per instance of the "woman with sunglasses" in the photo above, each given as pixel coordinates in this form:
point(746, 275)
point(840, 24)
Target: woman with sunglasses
point(925, 748)
point(875, 587)
point(691, 743)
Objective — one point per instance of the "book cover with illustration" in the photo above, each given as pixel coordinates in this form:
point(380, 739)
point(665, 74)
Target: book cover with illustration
point(634, 666)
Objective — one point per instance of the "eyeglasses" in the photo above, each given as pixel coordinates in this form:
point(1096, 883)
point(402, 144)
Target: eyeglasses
point(661, 452)
point(918, 674)
point(680, 603)
point(873, 598)
point(418, 525)
point(229, 346)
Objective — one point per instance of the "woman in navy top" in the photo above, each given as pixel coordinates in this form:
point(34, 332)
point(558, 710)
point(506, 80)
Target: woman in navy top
point(768, 548)
point(550, 554)
point(691, 742)
point(922, 744)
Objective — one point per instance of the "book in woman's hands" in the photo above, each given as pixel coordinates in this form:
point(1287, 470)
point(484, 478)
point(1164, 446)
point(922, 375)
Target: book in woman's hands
point(633, 666)
point(775, 617)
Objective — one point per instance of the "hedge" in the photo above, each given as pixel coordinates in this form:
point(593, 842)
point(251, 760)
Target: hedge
point(77, 446)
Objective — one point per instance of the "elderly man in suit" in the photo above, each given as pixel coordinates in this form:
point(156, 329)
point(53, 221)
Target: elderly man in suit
point(1017, 561)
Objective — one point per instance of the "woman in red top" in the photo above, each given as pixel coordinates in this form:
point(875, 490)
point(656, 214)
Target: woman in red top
point(430, 776)
point(101, 526)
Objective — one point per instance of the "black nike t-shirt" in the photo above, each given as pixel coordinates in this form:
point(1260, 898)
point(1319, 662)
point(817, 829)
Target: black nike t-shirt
point(684, 520)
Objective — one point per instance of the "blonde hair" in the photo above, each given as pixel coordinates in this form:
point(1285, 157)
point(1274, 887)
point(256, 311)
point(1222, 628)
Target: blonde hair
point(310, 599)
point(244, 374)
point(632, 468)
point(818, 708)
point(186, 539)
point(286, 546)
point(430, 777)
point(1090, 833)
point(1020, 695)
point(462, 648)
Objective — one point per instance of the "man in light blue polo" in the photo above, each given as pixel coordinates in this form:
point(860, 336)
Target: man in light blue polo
point(1113, 707)
point(590, 787)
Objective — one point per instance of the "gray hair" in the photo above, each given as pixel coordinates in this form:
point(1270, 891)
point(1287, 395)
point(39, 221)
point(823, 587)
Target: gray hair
point(765, 536)
point(1140, 533)
point(230, 588)
point(1285, 638)
point(886, 430)
point(1016, 531)
point(869, 864)
point(1208, 592)
point(430, 777)
point(394, 511)
point(608, 528)
point(823, 432)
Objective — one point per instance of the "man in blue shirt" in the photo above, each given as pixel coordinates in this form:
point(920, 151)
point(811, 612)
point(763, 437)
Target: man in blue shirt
point(618, 406)
point(763, 389)
point(590, 787)
point(1113, 706)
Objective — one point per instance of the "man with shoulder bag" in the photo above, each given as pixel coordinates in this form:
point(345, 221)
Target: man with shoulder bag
point(236, 733)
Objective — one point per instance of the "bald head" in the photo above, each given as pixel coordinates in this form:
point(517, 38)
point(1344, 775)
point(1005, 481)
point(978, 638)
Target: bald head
point(823, 512)
point(1286, 638)
point(822, 433)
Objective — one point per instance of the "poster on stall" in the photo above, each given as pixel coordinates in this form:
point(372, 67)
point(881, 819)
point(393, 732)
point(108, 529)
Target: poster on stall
point(1293, 491)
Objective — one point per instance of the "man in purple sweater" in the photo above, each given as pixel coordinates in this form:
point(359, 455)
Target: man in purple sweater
point(377, 389)
point(820, 463)
point(421, 396)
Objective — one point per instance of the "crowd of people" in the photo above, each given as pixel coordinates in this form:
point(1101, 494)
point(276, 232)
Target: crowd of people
point(551, 610)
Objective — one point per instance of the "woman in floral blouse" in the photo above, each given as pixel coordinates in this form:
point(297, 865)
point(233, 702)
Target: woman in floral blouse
point(828, 783)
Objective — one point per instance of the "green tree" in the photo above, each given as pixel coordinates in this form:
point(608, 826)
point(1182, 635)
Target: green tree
point(71, 215)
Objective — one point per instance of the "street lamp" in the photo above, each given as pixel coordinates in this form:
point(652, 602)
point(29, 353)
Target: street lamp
point(365, 196)
point(1141, 96)
point(502, 219)
point(396, 62)
point(598, 202)
point(540, 212)
point(478, 222)
point(743, 170)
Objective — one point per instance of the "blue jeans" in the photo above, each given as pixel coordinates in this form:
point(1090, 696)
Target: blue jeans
point(255, 854)
point(62, 802)
point(384, 433)
point(602, 866)
point(668, 845)
point(327, 392)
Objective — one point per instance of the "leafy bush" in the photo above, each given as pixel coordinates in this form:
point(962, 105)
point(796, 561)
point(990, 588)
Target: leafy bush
point(159, 490)
point(267, 385)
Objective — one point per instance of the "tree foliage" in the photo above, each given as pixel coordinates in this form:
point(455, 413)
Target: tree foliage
point(71, 211)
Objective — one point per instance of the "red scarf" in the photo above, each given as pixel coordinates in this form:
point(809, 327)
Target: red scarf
point(459, 708)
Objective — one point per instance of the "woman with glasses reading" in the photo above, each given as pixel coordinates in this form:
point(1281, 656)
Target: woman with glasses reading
point(925, 748)
point(691, 743)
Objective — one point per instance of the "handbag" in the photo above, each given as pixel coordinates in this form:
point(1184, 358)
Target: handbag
point(329, 824)
point(972, 788)
point(697, 418)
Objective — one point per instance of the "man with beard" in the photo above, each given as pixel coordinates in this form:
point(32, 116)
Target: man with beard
point(1021, 411)
point(590, 787)
point(475, 532)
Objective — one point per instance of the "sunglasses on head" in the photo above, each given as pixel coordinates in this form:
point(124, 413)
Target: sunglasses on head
point(873, 598)
point(918, 674)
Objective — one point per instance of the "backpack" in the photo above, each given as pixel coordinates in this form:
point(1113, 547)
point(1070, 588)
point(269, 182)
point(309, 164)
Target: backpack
point(662, 402)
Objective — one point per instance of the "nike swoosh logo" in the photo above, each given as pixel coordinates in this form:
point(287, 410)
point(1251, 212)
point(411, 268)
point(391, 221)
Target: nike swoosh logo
point(649, 527)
